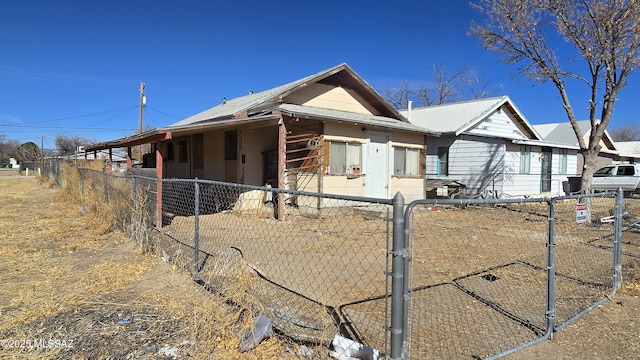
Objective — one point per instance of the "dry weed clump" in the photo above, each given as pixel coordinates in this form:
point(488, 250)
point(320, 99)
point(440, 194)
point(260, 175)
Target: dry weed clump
point(110, 208)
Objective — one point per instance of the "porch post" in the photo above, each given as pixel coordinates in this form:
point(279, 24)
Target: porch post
point(160, 176)
point(110, 160)
point(320, 171)
point(282, 157)
point(129, 162)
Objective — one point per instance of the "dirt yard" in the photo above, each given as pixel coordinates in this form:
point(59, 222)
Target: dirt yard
point(70, 290)
point(90, 293)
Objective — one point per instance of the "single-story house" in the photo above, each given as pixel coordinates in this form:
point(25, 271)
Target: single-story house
point(563, 133)
point(115, 161)
point(629, 151)
point(489, 146)
point(329, 132)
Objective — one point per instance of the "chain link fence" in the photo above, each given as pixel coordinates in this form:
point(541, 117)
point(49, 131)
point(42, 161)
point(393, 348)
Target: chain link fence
point(309, 272)
point(435, 279)
point(487, 278)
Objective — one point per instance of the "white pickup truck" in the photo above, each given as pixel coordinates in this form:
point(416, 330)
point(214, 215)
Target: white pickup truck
point(614, 176)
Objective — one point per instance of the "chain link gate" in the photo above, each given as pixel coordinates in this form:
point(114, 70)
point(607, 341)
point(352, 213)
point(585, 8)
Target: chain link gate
point(490, 277)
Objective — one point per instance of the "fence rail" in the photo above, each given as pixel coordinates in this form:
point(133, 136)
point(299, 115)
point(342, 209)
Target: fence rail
point(431, 279)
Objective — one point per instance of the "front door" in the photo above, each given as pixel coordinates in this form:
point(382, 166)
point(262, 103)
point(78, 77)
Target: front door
point(377, 176)
point(545, 174)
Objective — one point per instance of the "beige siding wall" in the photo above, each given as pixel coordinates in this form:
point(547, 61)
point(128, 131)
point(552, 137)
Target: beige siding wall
point(337, 184)
point(175, 168)
point(411, 188)
point(213, 147)
point(330, 97)
point(256, 141)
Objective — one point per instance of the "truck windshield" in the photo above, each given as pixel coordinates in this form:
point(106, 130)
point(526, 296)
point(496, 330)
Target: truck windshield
point(604, 171)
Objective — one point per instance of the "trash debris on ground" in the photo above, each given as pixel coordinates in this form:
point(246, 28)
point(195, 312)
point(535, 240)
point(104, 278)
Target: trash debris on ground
point(347, 349)
point(123, 319)
point(260, 330)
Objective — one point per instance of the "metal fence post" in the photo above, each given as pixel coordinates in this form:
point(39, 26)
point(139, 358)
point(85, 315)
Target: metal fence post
point(398, 331)
point(551, 271)
point(617, 241)
point(106, 188)
point(196, 230)
point(134, 225)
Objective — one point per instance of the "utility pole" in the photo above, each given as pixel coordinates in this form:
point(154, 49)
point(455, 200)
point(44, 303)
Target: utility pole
point(143, 100)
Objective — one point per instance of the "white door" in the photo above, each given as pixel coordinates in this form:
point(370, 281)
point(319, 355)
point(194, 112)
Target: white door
point(377, 177)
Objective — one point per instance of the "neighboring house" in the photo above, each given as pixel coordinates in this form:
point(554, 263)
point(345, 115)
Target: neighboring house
point(329, 132)
point(629, 151)
point(489, 146)
point(115, 160)
point(563, 133)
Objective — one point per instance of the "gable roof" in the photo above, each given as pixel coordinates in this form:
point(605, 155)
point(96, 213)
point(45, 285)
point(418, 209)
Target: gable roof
point(563, 133)
point(255, 103)
point(456, 118)
point(267, 105)
point(629, 148)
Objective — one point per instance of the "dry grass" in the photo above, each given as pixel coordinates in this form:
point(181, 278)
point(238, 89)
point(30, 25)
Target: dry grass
point(70, 277)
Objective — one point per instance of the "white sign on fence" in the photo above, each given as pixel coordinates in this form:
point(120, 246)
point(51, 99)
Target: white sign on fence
point(581, 213)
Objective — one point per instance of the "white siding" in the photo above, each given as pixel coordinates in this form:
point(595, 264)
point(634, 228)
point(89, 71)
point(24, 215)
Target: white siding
point(500, 125)
point(477, 162)
point(517, 184)
point(492, 166)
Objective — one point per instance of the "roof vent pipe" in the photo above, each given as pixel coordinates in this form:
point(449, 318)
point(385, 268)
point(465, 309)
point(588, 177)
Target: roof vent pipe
point(409, 108)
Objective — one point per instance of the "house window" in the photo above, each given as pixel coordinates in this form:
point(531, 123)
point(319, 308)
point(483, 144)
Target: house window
point(564, 155)
point(345, 158)
point(198, 152)
point(525, 159)
point(170, 156)
point(406, 161)
point(443, 161)
point(231, 145)
point(183, 154)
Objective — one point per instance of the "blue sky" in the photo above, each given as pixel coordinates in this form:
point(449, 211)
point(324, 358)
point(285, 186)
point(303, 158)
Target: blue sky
point(74, 67)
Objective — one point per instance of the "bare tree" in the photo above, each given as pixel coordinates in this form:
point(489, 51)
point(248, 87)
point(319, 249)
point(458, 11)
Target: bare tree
point(68, 144)
point(398, 97)
point(604, 35)
point(7, 148)
point(627, 132)
point(445, 87)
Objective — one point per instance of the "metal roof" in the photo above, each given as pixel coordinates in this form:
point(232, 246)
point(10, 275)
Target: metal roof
point(629, 148)
point(272, 97)
point(456, 118)
point(262, 105)
point(563, 133)
point(355, 118)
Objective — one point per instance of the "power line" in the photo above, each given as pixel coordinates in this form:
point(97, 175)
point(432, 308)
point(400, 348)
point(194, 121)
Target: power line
point(64, 127)
point(76, 117)
point(164, 113)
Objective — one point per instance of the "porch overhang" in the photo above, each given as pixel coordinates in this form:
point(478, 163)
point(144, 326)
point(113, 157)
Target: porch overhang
point(169, 133)
point(134, 140)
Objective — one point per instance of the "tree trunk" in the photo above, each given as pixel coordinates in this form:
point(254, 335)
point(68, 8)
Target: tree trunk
point(590, 157)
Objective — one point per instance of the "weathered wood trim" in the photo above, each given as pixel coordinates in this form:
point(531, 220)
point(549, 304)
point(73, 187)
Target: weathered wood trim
point(160, 176)
point(282, 158)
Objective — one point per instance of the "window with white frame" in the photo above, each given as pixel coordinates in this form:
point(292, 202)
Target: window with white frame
point(525, 159)
point(443, 161)
point(406, 161)
point(345, 157)
point(564, 156)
